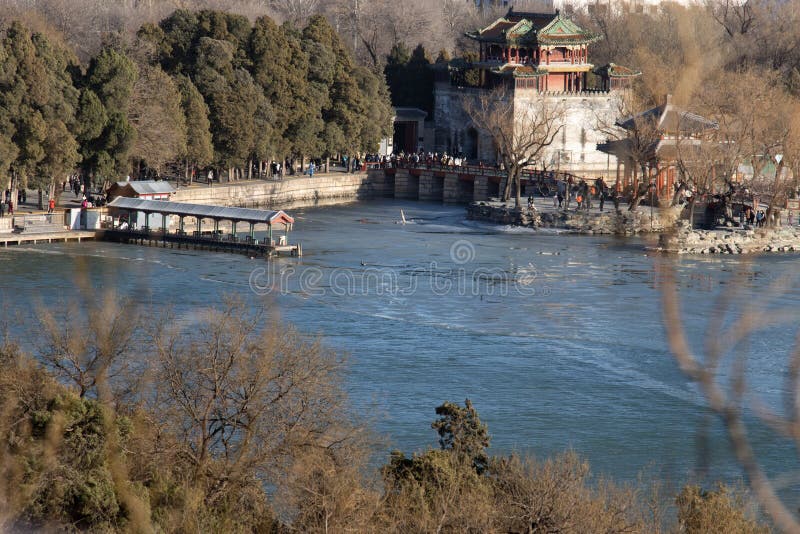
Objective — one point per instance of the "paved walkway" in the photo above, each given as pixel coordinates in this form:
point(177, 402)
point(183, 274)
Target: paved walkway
point(545, 205)
point(69, 200)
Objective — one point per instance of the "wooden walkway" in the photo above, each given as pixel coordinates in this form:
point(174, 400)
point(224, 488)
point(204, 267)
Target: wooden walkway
point(34, 238)
point(202, 242)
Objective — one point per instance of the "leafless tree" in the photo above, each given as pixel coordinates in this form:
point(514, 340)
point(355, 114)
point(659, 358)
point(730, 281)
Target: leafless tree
point(735, 16)
point(89, 343)
point(295, 10)
point(243, 397)
point(719, 369)
point(520, 130)
point(633, 132)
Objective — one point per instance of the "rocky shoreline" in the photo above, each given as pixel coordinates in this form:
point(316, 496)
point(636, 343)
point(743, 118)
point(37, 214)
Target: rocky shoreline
point(748, 240)
point(609, 222)
point(676, 236)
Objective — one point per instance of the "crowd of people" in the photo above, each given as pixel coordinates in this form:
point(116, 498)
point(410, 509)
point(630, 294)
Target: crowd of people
point(419, 159)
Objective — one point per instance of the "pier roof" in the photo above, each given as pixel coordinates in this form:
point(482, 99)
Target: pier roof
point(143, 187)
point(201, 210)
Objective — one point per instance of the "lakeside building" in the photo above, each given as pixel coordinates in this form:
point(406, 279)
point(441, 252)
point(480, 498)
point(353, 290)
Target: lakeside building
point(538, 57)
point(144, 189)
point(657, 139)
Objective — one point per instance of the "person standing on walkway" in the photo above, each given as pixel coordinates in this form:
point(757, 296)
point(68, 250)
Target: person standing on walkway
point(51, 205)
point(600, 187)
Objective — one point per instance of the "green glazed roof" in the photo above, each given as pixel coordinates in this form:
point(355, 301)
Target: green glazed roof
point(533, 28)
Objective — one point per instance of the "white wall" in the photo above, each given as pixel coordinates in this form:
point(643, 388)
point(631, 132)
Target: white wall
point(575, 148)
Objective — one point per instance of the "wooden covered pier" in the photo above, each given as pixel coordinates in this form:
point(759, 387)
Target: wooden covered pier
point(128, 210)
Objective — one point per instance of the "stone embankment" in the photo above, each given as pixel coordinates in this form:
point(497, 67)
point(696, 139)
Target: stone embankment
point(746, 240)
point(593, 222)
point(294, 192)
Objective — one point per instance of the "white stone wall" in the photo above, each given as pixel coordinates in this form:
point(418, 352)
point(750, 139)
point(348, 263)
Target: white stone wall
point(575, 148)
point(288, 193)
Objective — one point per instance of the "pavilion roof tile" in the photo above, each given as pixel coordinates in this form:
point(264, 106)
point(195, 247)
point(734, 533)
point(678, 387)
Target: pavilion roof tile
point(148, 187)
point(613, 70)
point(543, 28)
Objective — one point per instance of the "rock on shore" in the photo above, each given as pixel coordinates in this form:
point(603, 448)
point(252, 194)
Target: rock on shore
point(578, 222)
point(685, 240)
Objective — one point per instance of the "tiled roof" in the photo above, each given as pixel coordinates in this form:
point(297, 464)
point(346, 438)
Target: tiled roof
point(544, 28)
point(148, 187)
point(670, 119)
point(613, 70)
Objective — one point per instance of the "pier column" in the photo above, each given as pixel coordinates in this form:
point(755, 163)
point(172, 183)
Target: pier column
point(431, 187)
point(406, 185)
point(164, 223)
point(480, 191)
point(233, 229)
point(181, 224)
point(199, 226)
point(457, 190)
point(252, 231)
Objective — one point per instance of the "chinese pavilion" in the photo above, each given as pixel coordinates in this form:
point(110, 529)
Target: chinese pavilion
point(661, 134)
point(544, 51)
point(538, 56)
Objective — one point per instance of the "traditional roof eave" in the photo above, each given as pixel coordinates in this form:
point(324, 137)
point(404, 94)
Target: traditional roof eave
point(622, 148)
point(669, 118)
point(559, 31)
point(518, 72)
point(613, 70)
point(568, 40)
point(570, 67)
point(563, 31)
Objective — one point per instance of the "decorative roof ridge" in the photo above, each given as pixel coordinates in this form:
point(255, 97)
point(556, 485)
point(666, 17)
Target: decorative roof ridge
point(521, 22)
point(480, 31)
point(617, 71)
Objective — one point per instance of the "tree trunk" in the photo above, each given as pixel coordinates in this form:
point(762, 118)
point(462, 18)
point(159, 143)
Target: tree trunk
point(773, 210)
point(41, 199)
point(507, 188)
point(640, 192)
